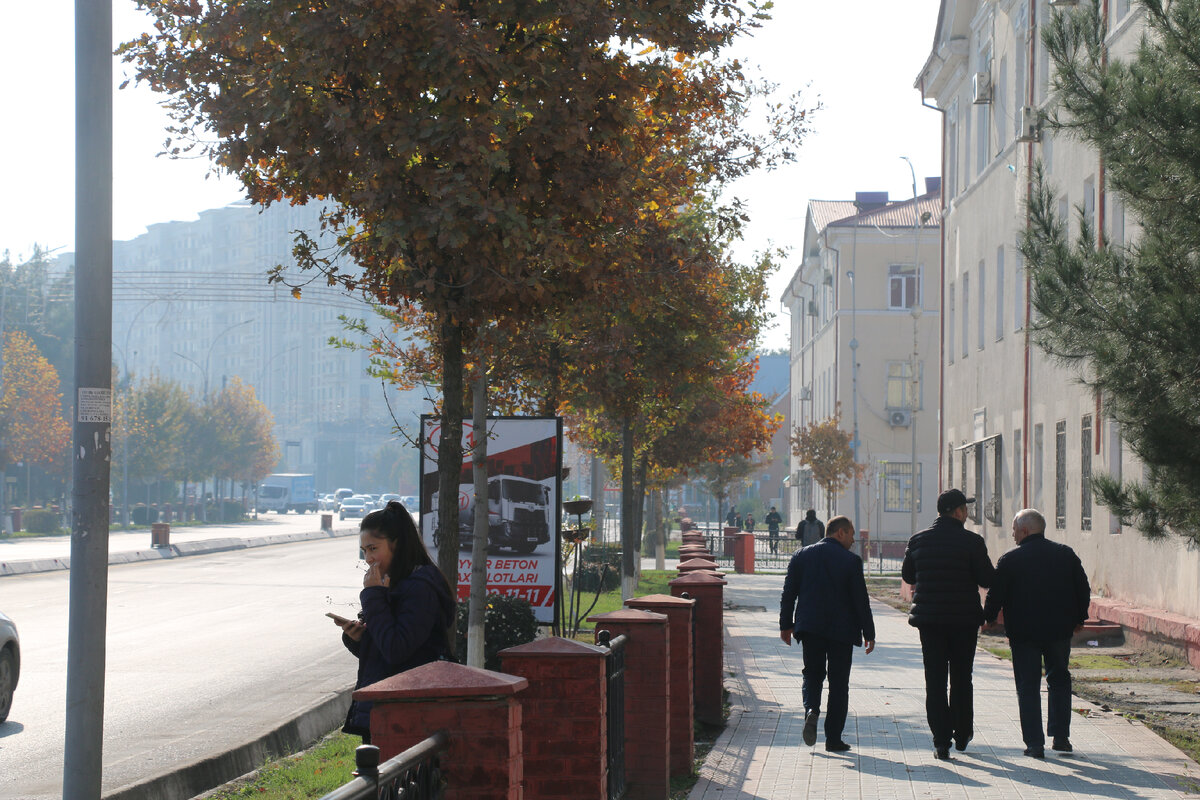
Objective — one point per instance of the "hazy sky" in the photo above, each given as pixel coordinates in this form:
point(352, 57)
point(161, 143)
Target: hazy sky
point(859, 57)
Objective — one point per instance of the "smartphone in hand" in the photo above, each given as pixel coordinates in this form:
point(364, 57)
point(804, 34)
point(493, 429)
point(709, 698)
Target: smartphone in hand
point(339, 620)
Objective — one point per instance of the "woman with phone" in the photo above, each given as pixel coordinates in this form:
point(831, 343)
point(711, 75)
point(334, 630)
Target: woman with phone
point(407, 612)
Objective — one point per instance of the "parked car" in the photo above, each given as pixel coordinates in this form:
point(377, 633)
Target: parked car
point(354, 507)
point(10, 664)
point(411, 502)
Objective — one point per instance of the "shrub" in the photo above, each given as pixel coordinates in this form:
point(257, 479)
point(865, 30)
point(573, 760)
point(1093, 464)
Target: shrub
point(593, 576)
point(603, 554)
point(507, 622)
point(40, 520)
point(143, 514)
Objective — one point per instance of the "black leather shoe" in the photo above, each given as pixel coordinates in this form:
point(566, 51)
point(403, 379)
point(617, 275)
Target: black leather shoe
point(1035, 752)
point(941, 753)
point(961, 744)
point(810, 726)
point(1062, 745)
point(836, 747)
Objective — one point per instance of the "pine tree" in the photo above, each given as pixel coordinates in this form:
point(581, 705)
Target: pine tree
point(1126, 315)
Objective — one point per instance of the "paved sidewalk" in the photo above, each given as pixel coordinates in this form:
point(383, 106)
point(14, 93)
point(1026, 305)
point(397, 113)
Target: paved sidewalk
point(761, 755)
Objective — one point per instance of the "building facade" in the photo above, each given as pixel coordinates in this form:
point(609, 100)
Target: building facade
point(1017, 429)
point(864, 333)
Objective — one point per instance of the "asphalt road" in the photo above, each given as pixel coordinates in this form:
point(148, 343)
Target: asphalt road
point(204, 653)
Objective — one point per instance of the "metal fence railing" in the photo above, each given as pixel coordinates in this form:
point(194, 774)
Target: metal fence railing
point(415, 774)
point(615, 671)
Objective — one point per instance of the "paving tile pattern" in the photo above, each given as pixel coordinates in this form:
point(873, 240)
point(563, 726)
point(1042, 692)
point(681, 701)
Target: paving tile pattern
point(761, 754)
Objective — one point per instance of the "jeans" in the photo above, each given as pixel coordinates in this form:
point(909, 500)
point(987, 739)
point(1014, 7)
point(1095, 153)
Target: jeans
point(949, 653)
point(773, 536)
point(1027, 670)
point(825, 657)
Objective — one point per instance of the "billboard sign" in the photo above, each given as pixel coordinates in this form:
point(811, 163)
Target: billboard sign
point(524, 466)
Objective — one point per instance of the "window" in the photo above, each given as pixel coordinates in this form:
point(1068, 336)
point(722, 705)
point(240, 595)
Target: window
point(952, 154)
point(1089, 204)
point(1116, 223)
point(899, 384)
point(1018, 470)
point(950, 321)
point(898, 486)
point(1114, 467)
point(904, 286)
point(1085, 473)
point(1020, 51)
point(981, 279)
point(1003, 106)
point(1064, 214)
point(1043, 64)
point(1038, 462)
point(999, 292)
point(1060, 474)
point(966, 309)
point(990, 481)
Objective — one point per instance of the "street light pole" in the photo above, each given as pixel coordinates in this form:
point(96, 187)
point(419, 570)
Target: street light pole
point(854, 384)
point(916, 317)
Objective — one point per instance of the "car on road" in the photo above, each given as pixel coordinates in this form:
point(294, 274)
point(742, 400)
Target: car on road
point(384, 499)
point(340, 495)
point(411, 502)
point(10, 664)
point(354, 507)
point(328, 502)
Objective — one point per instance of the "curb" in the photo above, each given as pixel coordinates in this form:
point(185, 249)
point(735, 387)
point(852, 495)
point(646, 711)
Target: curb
point(190, 780)
point(196, 548)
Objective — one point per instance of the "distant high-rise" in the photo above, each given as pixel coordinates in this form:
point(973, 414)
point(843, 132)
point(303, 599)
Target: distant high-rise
point(191, 303)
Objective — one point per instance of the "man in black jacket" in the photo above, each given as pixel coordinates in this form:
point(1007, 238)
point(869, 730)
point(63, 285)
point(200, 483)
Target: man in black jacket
point(825, 605)
point(1043, 591)
point(946, 564)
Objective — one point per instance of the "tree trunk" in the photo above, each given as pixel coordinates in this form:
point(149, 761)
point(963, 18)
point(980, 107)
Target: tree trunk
point(598, 482)
point(629, 543)
point(450, 456)
point(660, 547)
point(479, 472)
point(639, 505)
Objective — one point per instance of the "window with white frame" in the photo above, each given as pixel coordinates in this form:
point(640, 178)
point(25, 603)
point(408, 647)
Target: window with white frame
point(1060, 474)
point(1085, 473)
point(966, 314)
point(901, 393)
point(981, 279)
point(904, 286)
point(950, 322)
point(898, 486)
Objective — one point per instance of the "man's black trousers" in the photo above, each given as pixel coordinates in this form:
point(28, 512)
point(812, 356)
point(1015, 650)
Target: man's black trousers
point(825, 657)
point(1027, 670)
point(949, 653)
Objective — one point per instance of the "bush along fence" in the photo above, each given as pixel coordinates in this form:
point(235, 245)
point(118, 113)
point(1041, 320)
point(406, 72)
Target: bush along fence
point(566, 720)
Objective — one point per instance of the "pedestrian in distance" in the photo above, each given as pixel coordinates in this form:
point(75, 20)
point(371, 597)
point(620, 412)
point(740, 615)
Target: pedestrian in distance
point(749, 523)
point(731, 519)
point(825, 605)
point(407, 612)
point(810, 530)
point(773, 521)
point(946, 564)
point(1041, 587)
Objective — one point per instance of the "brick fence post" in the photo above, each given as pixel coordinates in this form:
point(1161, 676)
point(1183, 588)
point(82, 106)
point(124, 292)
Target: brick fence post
point(647, 700)
point(477, 708)
point(680, 613)
point(708, 649)
point(743, 554)
point(564, 716)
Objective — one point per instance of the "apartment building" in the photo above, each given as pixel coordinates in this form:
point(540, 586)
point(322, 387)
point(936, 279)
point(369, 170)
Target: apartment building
point(191, 303)
point(864, 336)
point(1017, 429)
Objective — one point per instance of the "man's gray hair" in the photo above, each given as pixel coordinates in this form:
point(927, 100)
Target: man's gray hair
point(1030, 520)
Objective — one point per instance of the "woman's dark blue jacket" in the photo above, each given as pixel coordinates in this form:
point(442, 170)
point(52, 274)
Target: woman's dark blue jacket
point(406, 627)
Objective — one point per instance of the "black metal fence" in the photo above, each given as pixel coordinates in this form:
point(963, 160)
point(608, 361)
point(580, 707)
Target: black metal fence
point(615, 668)
point(415, 774)
point(774, 552)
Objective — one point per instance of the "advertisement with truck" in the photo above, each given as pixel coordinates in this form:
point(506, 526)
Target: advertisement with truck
point(285, 492)
point(519, 513)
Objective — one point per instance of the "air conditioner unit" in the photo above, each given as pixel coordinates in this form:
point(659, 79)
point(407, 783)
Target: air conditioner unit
point(900, 417)
point(806, 393)
point(828, 278)
point(1029, 124)
point(981, 88)
point(812, 308)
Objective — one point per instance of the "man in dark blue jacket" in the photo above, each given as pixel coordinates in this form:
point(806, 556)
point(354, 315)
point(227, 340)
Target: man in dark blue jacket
point(825, 606)
point(1044, 593)
point(946, 564)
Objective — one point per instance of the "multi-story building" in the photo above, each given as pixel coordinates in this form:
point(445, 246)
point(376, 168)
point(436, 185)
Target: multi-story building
point(1019, 430)
point(191, 303)
point(864, 327)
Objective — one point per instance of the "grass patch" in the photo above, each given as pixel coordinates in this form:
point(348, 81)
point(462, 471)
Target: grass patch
point(1187, 741)
point(1097, 661)
point(313, 773)
point(653, 581)
point(999, 652)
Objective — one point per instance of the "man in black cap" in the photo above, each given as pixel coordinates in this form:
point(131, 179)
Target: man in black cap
point(946, 564)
